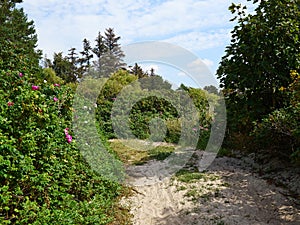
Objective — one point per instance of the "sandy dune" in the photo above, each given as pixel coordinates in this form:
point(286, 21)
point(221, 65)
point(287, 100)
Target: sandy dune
point(236, 195)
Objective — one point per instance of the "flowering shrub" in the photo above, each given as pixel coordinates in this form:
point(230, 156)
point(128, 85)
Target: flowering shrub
point(68, 136)
point(34, 87)
point(44, 178)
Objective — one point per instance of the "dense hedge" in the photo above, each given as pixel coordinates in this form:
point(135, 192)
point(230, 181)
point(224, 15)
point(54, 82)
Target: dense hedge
point(44, 179)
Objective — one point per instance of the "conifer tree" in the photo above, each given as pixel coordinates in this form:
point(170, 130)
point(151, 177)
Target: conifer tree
point(60, 65)
point(73, 58)
point(113, 58)
point(18, 38)
point(99, 50)
point(138, 71)
point(87, 55)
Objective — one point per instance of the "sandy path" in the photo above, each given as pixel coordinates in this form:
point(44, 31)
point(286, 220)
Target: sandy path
point(235, 196)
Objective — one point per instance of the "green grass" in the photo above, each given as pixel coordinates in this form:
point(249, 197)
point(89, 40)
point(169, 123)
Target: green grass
point(140, 155)
point(186, 176)
point(160, 152)
point(198, 186)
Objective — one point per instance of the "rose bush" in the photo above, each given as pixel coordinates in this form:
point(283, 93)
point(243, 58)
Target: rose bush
point(44, 178)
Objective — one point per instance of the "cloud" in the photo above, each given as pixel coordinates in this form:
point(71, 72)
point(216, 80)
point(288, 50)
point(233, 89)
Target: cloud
point(147, 67)
point(208, 62)
point(193, 24)
point(201, 73)
point(198, 66)
point(181, 74)
point(194, 41)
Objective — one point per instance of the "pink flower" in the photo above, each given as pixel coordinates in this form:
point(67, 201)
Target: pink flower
point(10, 103)
point(194, 129)
point(56, 85)
point(114, 99)
point(55, 99)
point(34, 87)
point(20, 74)
point(66, 131)
point(69, 138)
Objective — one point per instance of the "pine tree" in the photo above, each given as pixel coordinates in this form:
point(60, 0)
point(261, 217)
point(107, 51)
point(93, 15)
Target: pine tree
point(99, 51)
point(152, 73)
point(73, 58)
point(47, 63)
point(138, 71)
point(87, 55)
point(18, 38)
point(113, 58)
point(63, 68)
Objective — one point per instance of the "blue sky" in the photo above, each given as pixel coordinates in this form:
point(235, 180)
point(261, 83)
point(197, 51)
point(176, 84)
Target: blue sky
point(200, 26)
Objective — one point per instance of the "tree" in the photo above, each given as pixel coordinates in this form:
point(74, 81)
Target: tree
point(155, 82)
point(18, 39)
point(138, 71)
point(211, 89)
point(264, 48)
point(113, 58)
point(74, 72)
point(152, 73)
point(47, 63)
point(87, 55)
point(63, 68)
point(99, 50)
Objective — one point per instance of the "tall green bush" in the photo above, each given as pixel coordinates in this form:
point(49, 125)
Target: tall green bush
point(153, 111)
point(44, 178)
point(279, 132)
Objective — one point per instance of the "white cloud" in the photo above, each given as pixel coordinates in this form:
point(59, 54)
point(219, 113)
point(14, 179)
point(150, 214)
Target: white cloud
point(194, 41)
point(208, 62)
point(198, 66)
point(181, 74)
point(193, 24)
point(148, 67)
point(201, 73)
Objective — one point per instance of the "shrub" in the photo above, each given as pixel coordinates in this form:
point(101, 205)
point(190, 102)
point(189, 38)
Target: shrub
point(44, 179)
point(154, 112)
point(279, 132)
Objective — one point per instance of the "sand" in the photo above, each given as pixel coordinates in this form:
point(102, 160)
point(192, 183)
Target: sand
point(230, 193)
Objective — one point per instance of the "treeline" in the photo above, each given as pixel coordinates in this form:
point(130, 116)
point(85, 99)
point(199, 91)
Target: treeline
point(100, 60)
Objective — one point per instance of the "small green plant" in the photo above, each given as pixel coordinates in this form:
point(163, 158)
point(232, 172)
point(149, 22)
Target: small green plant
point(189, 177)
point(225, 152)
point(193, 194)
point(181, 188)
